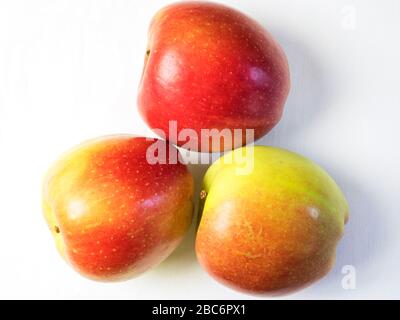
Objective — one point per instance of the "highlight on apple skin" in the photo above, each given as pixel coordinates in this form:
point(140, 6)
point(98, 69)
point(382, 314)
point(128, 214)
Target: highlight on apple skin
point(210, 67)
point(273, 230)
point(112, 214)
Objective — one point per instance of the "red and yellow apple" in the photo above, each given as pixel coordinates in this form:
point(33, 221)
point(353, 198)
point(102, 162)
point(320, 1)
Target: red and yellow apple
point(208, 66)
point(273, 227)
point(112, 214)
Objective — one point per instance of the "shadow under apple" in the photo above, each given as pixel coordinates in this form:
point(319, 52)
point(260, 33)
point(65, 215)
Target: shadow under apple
point(311, 93)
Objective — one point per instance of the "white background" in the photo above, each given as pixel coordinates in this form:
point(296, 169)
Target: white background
point(69, 71)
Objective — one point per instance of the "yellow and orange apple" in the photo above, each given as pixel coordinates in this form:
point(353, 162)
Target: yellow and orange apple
point(273, 227)
point(111, 212)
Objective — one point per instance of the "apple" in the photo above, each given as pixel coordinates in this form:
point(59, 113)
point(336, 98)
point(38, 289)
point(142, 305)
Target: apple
point(273, 228)
point(210, 67)
point(112, 214)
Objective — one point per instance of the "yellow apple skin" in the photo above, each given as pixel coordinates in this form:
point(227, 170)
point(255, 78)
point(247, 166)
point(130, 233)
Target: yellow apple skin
point(271, 231)
point(112, 214)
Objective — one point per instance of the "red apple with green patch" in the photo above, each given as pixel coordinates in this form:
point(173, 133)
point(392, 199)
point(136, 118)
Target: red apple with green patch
point(209, 66)
point(113, 214)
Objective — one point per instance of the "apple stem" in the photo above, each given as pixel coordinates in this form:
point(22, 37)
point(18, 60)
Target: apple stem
point(203, 194)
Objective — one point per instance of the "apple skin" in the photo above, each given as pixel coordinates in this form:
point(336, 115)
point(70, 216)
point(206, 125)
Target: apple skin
point(211, 67)
point(274, 230)
point(112, 214)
